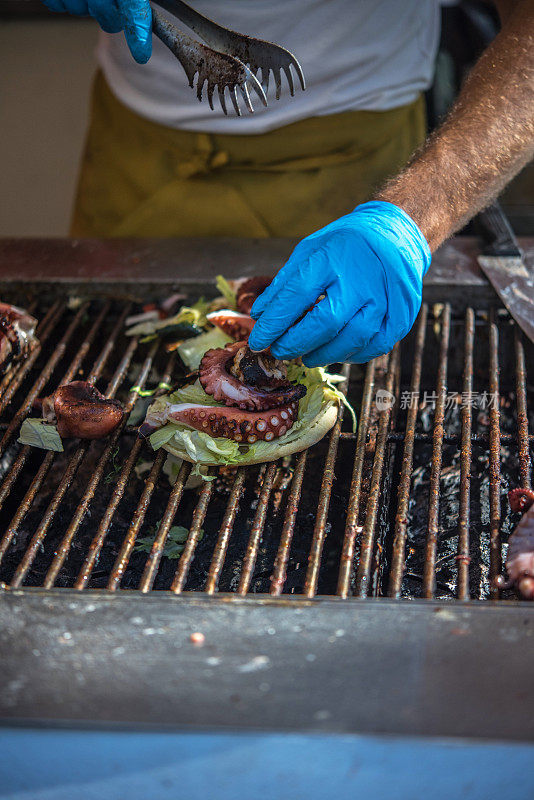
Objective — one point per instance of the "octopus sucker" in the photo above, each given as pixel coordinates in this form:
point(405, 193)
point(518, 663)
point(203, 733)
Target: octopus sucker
point(231, 423)
point(235, 376)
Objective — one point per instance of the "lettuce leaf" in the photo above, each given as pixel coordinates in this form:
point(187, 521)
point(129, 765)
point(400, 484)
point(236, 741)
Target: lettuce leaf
point(227, 292)
point(192, 350)
point(38, 433)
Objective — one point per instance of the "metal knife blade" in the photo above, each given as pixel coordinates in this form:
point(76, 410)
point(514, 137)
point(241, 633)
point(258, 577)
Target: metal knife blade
point(503, 264)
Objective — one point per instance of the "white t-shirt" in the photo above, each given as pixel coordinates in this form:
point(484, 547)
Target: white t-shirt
point(356, 55)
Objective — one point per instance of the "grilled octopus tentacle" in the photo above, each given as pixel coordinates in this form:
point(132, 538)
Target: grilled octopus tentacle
point(249, 393)
point(234, 423)
point(233, 323)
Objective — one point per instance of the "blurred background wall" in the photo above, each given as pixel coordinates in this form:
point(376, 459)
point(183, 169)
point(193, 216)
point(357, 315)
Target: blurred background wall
point(45, 79)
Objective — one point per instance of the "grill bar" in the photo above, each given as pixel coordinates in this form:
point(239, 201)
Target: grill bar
point(437, 452)
point(79, 454)
point(139, 516)
point(22, 457)
point(465, 459)
point(351, 526)
point(164, 528)
point(280, 563)
point(522, 413)
point(225, 532)
point(257, 529)
point(398, 507)
point(403, 501)
point(368, 533)
point(96, 477)
point(319, 532)
point(192, 540)
point(494, 459)
point(96, 544)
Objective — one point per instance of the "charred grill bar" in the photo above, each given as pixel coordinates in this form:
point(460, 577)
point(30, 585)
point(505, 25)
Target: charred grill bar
point(411, 506)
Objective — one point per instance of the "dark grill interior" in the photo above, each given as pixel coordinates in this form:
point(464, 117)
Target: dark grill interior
point(412, 505)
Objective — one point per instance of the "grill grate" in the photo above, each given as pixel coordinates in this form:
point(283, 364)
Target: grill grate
point(409, 506)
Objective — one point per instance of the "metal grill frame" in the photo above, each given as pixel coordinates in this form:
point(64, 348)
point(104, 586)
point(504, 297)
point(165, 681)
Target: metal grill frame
point(394, 662)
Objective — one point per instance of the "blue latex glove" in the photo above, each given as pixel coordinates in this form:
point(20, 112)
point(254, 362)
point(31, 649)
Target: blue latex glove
point(369, 265)
point(134, 17)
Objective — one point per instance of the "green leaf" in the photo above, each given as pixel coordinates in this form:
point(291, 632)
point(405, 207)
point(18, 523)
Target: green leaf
point(192, 350)
point(190, 315)
point(174, 544)
point(227, 292)
point(38, 433)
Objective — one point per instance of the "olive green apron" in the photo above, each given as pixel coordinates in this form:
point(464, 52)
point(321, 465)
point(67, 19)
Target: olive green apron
point(139, 178)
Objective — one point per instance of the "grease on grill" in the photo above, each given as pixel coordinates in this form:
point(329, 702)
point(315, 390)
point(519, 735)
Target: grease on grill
point(294, 527)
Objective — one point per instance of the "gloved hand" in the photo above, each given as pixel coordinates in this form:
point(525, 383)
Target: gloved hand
point(132, 16)
point(369, 265)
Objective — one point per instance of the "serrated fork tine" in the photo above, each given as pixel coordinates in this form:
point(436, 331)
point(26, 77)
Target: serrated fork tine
point(200, 86)
point(256, 85)
point(300, 73)
point(246, 97)
point(289, 77)
point(233, 97)
point(278, 82)
point(211, 89)
point(222, 99)
point(265, 72)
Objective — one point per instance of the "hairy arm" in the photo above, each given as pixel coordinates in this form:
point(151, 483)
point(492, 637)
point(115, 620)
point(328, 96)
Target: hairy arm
point(487, 138)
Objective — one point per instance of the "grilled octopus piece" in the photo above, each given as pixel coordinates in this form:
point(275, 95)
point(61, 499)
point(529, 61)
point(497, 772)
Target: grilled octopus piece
point(249, 290)
point(520, 556)
point(82, 412)
point(251, 381)
point(233, 323)
point(17, 334)
point(231, 423)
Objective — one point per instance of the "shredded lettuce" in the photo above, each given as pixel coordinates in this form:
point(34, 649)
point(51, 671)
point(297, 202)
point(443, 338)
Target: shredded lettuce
point(227, 292)
point(192, 350)
point(38, 433)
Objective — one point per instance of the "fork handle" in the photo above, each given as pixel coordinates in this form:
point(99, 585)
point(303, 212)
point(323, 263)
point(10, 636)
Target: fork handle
point(214, 35)
point(176, 40)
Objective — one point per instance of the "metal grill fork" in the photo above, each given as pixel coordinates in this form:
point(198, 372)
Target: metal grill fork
point(228, 60)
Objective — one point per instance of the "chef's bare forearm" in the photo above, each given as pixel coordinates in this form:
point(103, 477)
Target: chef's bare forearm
point(486, 139)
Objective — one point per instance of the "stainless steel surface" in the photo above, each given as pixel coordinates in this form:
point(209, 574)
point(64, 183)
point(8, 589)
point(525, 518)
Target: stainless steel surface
point(310, 665)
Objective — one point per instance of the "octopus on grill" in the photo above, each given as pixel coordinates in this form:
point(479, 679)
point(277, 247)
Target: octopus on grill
point(233, 323)
point(520, 556)
point(17, 334)
point(80, 411)
point(235, 376)
point(260, 403)
point(231, 423)
point(248, 290)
